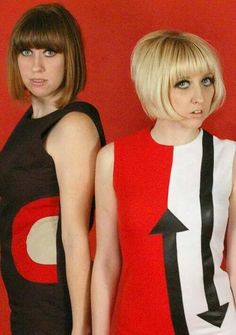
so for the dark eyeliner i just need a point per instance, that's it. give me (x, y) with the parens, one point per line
(212, 79)
(208, 81)
(179, 83)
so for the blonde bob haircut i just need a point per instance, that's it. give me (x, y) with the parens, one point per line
(162, 58)
(48, 26)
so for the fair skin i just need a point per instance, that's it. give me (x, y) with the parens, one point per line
(231, 237)
(75, 134)
(107, 262)
(191, 98)
(42, 72)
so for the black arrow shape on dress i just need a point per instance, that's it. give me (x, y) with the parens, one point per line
(169, 226)
(215, 313)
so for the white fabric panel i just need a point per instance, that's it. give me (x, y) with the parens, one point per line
(184, 202)
(41, 241)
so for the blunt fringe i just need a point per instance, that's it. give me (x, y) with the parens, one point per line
(161, 58)
(48, 26)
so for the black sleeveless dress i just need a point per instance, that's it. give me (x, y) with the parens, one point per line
(32, 256)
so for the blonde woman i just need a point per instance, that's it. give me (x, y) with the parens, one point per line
(165, 197)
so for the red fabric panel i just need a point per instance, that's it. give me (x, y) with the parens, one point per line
(23, 222)
(141, 186)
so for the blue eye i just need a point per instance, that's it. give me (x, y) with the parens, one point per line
(49, 53)
(26, 52)
(208, 81)
(182, 84)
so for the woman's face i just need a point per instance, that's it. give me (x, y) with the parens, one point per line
(191, 97)
(42, 72)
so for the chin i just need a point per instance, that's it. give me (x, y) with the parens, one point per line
(193, 123)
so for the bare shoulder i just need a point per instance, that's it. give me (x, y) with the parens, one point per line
(75, 131)
(74, 127)
(106, 155)
(74, 122)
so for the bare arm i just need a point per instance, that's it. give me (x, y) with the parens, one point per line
(107, 262)
(73, 143)
(231, 236)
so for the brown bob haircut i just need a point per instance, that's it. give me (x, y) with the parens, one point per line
(48, 26)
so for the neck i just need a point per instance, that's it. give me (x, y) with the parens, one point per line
(170, 132)
(41, 107)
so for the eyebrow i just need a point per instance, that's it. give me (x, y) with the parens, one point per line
(188, 77)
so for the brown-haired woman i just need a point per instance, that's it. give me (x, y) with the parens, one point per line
(47, 178)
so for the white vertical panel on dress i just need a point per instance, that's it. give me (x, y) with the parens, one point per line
(184, 203)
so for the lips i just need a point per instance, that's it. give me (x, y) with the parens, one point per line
(197, 112)
(38, 81)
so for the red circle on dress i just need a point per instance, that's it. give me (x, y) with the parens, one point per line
(27, 216)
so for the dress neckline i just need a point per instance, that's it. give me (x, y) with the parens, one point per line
(29, 113)
(196, 139)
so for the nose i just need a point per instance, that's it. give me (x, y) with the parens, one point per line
(37, 64)
(197, 97)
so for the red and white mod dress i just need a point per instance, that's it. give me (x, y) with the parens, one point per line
(173, 204)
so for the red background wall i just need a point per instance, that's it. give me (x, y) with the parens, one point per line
(111, 29)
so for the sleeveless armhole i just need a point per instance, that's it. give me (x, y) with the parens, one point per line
(77, 106)
(81, 107)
